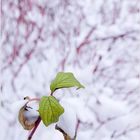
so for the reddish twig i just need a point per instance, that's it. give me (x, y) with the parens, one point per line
(86, 40)
(34, 129)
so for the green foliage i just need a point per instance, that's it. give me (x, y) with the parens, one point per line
(65, 80)
(50, 110)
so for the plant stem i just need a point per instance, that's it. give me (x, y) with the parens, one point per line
(51, 94)
(34, 99)
(76, 130)
(65, 135)
(34, 129)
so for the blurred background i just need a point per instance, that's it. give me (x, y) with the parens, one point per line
(96, 40)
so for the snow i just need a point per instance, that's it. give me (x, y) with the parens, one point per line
(132, 83)
(32, 111)
(17, 105)
(105, 61)
(68, 119)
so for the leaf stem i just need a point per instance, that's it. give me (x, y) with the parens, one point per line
(34, 129)
(34, 99)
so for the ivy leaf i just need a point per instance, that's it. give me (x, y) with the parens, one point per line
(50, 110)
(65, 80)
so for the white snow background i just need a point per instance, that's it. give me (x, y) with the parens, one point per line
(96, 40)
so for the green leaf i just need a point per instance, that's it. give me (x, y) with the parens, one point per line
(50, 110)
(64, 80)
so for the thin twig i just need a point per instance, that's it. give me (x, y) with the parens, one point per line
(34, 129)
(76, 130)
